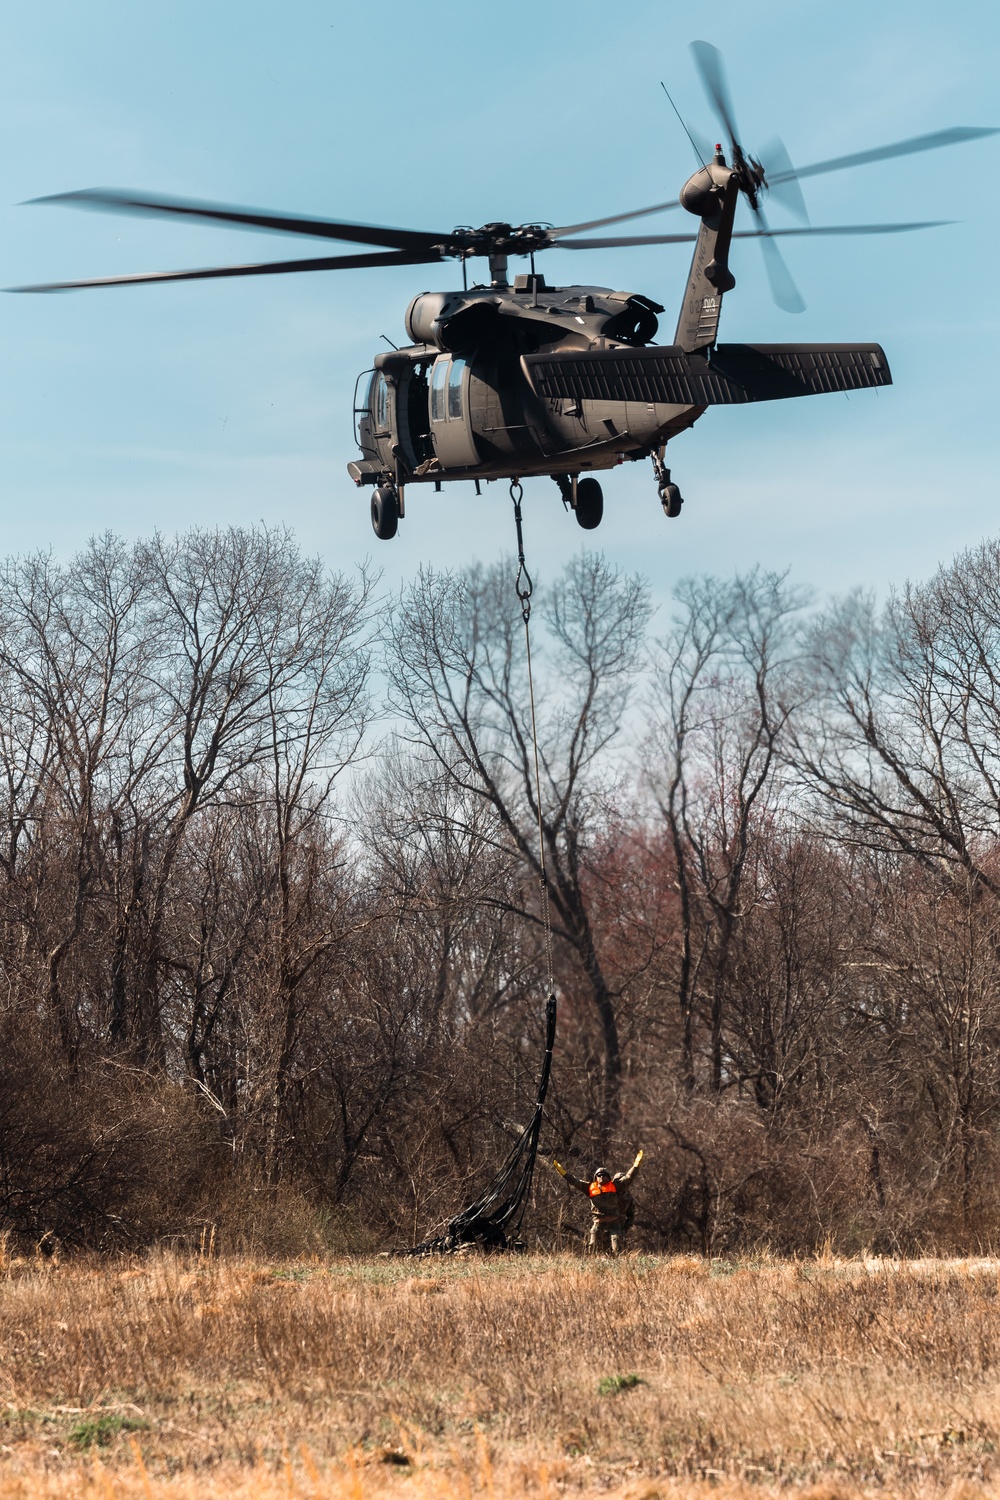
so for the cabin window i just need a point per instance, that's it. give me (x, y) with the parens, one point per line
(382, 405)
(455, 387)
(438, 380)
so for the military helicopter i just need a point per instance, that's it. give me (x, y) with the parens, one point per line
(504, 381)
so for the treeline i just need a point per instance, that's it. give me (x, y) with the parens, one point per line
(273, 924)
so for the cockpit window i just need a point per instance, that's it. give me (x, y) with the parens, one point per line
(437, 390)
(455, 387)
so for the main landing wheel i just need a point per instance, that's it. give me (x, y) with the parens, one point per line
(385, 512)
(589, 503)
(672, 500)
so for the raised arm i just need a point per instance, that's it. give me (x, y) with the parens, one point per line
(627, 1176)
(579, 1183)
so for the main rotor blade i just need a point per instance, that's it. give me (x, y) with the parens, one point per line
(775, 234)
(748, 234)
(120, 201)
(783, 181)
(614, 242)
(708, 61)
(635, 213)
(954, 137)
(270, 268)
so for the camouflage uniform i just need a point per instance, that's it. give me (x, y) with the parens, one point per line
(611, 1213)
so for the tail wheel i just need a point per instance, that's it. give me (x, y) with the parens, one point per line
(672, 500)
(589, 504)
(385, 512)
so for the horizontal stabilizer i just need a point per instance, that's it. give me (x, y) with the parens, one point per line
(729, 375)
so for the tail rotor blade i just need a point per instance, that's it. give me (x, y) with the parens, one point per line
(708, 61)
(783, 289)
(785, 189)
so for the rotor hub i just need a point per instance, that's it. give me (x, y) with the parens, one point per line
(497, 239)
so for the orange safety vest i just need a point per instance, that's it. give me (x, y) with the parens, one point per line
(596, 1189)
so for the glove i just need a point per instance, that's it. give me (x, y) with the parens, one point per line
(637, 1161)
(560, 1169)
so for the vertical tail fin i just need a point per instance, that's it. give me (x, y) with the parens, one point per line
(710, 276)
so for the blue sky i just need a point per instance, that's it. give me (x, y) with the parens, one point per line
(165, 406)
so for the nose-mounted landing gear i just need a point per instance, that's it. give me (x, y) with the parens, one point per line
(584, 497)
(670, 496)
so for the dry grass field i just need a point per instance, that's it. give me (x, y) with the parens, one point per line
(524, 1377)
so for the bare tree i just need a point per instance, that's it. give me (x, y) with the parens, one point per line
(904, 746)
(75, 657)
(936, 1007)
(456, 668)
(796, 977)
(719, 709)
(260, 664)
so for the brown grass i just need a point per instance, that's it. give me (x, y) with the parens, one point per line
(371, 1378)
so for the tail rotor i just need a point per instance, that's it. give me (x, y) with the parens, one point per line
(751, 176)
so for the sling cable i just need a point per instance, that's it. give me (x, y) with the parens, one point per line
(490, 1221)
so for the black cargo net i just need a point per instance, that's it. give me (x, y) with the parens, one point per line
(490, 1221)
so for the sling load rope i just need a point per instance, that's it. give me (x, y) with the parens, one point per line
(524, 588)
(487, 1221)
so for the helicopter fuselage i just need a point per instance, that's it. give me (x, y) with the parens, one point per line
(502, 382)
(458, 403)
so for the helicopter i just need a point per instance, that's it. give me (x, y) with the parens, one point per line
(509, 380)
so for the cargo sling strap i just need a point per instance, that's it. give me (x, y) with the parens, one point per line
(490, 1221)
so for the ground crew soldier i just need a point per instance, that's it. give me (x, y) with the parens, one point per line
(612, 1209)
